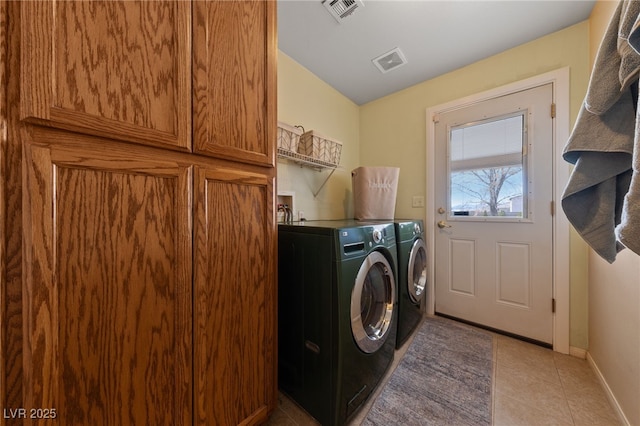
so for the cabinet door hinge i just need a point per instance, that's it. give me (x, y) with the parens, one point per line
(552, 208)
(553, 110)
(553, 306)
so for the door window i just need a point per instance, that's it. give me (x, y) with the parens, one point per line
(488, 169)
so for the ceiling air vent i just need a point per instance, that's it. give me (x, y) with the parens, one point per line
(390, 60)
(341, 9)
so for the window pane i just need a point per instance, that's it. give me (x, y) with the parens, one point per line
(487, 139)
(487, 169)
(488, 192)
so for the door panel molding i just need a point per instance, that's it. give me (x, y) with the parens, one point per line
(561, 127)
(463, 281)
(109, 287)
(104, 95)
(508, 253)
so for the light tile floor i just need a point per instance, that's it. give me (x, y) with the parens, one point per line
(533, 386)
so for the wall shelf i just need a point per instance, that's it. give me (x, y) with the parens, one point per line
(309, 162)
(305, 160)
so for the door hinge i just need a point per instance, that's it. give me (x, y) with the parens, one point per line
(436, 118)
(553, 306)
(553, 208)
(553, 110)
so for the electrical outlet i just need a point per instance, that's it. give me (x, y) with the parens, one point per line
(417, 201)
(301, 215)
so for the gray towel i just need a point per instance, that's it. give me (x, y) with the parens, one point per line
(601, 144)
(594, 195)
(628, 232)
(617, 63)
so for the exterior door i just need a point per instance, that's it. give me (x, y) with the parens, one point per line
(493, 200)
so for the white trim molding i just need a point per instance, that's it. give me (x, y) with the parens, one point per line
(578, 352)
(560, 81)
(607, 390)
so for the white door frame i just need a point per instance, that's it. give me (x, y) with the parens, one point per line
(560, 80)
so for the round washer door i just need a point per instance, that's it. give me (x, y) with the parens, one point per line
(372, 302)
(417, 273)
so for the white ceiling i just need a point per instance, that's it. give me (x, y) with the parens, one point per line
(435, 36)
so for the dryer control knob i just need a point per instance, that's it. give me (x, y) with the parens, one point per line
(377, 236)
(416, 227)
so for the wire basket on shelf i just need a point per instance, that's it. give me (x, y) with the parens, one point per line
(288, 138)
(320, 148)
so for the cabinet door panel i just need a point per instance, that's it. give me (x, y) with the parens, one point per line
(108, 295)
(120, 69)
(234, 347)
(234, 49)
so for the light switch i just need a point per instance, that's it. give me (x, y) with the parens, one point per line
(417, 201)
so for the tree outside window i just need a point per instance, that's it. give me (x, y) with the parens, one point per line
(486, 163)
(495, 191)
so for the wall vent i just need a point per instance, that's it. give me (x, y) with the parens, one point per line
(341, 9)
(390, 60)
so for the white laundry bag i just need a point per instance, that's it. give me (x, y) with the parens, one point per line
(374, 192)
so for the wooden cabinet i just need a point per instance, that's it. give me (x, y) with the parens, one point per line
(108, 285)
(232, 90)
(119, 69)
(122, 69)
(234, 309)
(139, 266)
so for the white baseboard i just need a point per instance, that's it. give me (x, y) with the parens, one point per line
(578, 352)
(607, 391)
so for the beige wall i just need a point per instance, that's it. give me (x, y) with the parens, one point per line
(400, 120)
(304, 99)
(614, 297)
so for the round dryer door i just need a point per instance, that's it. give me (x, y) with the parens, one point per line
(417, 273)
(372, 302)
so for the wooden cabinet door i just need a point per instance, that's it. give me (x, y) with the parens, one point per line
(234, 66)
(108, 290)
(117, 68)
(235, 305)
